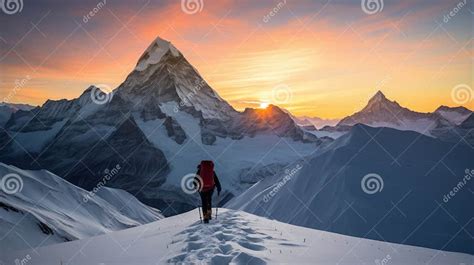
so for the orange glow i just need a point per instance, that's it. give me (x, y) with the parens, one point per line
(330, 70)
(264, 105)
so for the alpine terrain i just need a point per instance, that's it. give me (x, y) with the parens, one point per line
(157, 125)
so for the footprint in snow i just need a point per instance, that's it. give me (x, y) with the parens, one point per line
(230, 239)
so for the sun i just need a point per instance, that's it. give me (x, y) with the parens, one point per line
(264, 105)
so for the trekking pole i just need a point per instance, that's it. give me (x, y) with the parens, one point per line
(217, 204)
(200, 218)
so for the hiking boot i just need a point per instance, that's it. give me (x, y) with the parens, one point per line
(209, 214)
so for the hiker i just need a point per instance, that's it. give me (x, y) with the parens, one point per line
(206, 186)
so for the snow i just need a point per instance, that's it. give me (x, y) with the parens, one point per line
(35, 141)
(454, 116)
(423, 126)
(317, 122)
(230, 156)
(68, 211)
(319, 195)
(16, 107)
(155, 51)
(381, 112)
(235, 237)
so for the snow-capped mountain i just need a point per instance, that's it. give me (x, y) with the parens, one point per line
(6, 110)
(164, 75)
(234, 238)
(381, 112)
(407, 198)
(455, 115)
(47, 209)
(158, 125)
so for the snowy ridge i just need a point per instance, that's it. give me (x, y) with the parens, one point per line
(331, 180)
(50, 210)
(455, 115)
(235, 237)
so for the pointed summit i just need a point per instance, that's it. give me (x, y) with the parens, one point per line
(381, 103)
(379, 95)
(377, 98)
(164, 76)
(153, 54)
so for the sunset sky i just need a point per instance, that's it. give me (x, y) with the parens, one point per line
(330, 56)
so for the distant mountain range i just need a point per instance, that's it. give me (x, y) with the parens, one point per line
(382, 112)
(316, 122)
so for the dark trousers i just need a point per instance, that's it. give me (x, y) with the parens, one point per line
(206, 198)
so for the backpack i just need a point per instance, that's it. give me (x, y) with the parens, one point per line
(207, 175)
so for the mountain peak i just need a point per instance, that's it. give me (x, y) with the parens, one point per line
(380, 101)
(379, 96)
(155, 52)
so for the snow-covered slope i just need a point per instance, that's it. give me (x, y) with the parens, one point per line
(7, 109)
(414, 173)
(47, 209)
(234, 238)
